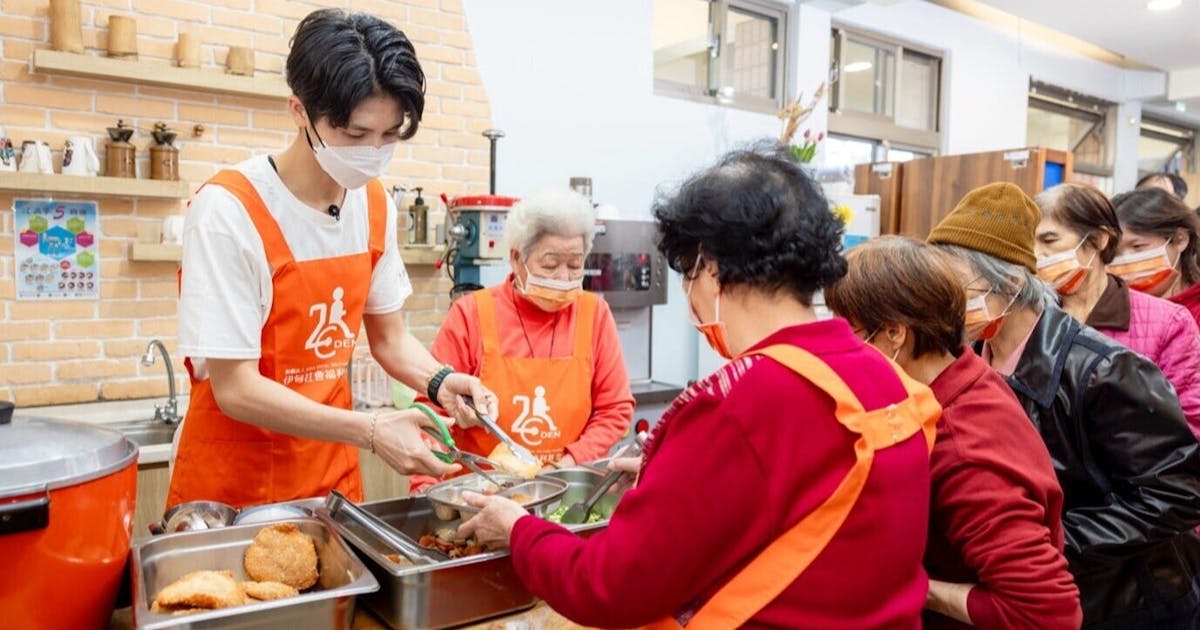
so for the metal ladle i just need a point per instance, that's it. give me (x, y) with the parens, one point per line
(578, 513)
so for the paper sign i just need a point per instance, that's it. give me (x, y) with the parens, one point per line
(57, 249)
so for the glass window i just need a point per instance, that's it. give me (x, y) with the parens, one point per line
(1060, 120)
(919, 78)
(902, 155)
(752, 50)
(1165, 147)
(846, 151)
(867, 74)
(681, 43)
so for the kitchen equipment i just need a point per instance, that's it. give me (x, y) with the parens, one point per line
(271, 513)
(66, 26)
(488, 423)
(240, 61)
(627, 269)
(194, 516)
(187, 50)
(8, 156)
(164, 155)
(448, 495)
(419, 215)
(67, 504)
(120, 154)
(582, 481)
(79, 157)
(441, 434)
(160, 561)
(345, 513)
(122, 37)
(577, 513)
(36, 157)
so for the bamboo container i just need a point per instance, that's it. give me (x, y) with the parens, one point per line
(122, 36)
(66, 30)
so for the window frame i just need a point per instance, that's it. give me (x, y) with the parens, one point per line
(883, 128)
(1101, 113)
(1183, 136)
(718, 20)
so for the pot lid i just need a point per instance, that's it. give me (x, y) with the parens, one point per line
(482, 201)
(39, 454)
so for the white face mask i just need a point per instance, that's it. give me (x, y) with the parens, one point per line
(354, 165)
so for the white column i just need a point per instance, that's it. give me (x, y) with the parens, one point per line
(1125, 146)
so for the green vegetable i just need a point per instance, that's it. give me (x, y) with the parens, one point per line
(556, 515)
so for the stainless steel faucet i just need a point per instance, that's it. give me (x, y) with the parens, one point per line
(168, 413)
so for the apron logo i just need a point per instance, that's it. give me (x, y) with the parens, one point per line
(330, 320)
(534, 425)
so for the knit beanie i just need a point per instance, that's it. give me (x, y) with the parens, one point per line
(997, 219)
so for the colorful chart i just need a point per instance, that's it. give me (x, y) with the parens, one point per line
(56, 249)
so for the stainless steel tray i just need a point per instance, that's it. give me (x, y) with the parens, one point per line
(450, 593)
(162, 560)
(447, 495)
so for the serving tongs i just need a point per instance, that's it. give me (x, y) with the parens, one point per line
(489, 423)
(441, 434)
(339, 508)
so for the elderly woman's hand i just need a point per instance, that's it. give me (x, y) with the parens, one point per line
(458, 385)
(493, 525)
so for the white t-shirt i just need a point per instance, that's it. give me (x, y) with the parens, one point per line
(226, 294)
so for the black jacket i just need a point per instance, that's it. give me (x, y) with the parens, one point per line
(1129, 467)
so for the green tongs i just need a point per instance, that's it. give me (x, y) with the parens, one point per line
(452, 454)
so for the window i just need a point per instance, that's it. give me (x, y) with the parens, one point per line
(730, 52)
(850, 151)
(1165, 147)
(1066, 121)
(885, 90)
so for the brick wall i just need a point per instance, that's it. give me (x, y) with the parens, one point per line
(62, 352)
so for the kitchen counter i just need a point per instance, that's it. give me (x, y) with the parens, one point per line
(540, 617)
(654, 392)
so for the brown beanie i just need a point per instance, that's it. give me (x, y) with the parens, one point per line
(998, 219)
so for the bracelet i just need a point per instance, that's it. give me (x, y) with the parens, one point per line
(435, 382)
(371, 438)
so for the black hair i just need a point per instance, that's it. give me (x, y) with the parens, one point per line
(1156, 212)
(1178, 184)
(340, 59)
(760, 217)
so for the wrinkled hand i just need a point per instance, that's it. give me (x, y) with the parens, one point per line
(493, 525)
(458, 385)
(399, 443)
(566, 461)
(631, 465)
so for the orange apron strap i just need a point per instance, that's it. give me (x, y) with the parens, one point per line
(277, 250)
(377, 220)
(488, 329)
(785, 559)
(585, 323)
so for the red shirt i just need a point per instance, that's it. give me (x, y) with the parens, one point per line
(1190, 299)
(996, 510)
(738, 459)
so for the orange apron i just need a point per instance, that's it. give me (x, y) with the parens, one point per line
(544, 403)
(307, 343)
(777, 566)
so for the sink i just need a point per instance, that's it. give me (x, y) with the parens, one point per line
(145, 432)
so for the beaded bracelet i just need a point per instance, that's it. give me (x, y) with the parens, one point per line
(435, 382)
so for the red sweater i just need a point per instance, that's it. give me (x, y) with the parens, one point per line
(1190, 298)
(737, 460)
(996, 512)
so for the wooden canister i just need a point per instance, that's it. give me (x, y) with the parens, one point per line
(240, 61)
(66, 30)
(122, 36)
(187, 50)
(119, 159)
(164, 162)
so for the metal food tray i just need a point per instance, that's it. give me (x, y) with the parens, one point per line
(159, 561)
(448, 494)
(450, 592)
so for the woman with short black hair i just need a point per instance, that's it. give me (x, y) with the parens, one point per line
(780, 433)
(285, 258)
(1160, 249)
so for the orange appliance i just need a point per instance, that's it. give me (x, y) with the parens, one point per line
(67, 494)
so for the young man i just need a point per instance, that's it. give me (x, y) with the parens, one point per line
(285, 258)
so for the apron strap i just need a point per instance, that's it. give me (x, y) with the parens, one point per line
(485, 304)
(785, 559)
(376, 220)
(585, 323)
(277, 250)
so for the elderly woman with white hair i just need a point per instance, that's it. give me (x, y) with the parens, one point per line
(546, 347)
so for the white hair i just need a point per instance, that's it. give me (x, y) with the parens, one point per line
(556, 211)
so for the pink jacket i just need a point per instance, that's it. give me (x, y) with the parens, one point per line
(1162, 331)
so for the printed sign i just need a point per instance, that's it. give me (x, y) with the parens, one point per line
(57, 249)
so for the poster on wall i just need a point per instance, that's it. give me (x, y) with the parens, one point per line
(56, 249)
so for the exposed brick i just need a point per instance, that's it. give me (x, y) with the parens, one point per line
(128, 106)
(468, 109)
(466, 140)
(21, 94)
(14, 117)
(223, 36)
(283, 8)
(147, 23)
(251, 138)
(163, 327)
(212, 153)
(95, 370)
(421, 34)
(38, 395)
(466, 76)
(451, 6)
(54, 350)
(408, 169)
(24, 27)
(439, 155)
(457, 39)
(24, 331)
(52, 310)
(440, 122)
(124, 348)
(271, 120)
(29, 8)
(102, 329)
(254, 21)
(24, 373)
(464, 173)
(158, 289)
(140, 388)
(84, 122)
(125, 289)
(188, 11)
(138, 308)
(209, 115)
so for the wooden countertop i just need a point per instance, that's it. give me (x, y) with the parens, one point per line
(540, 617)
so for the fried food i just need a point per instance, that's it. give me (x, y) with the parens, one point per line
(503, 457)
(199, 590)
(267, 591)
(521, 498)
(282, 553)
(399, 559)
(448, 542)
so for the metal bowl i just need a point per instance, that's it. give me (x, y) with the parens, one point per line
(447, 495)
(270, 513)
(195, 516)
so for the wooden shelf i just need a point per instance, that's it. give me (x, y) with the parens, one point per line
(79, 185)
(416, 255)
(156, 252)
(270, 86)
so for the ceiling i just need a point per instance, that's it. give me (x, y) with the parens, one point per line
(1165, 40)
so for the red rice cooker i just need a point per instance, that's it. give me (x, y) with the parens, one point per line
(67, 493)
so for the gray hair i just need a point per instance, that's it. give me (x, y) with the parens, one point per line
(1007, 279)
(556, 211)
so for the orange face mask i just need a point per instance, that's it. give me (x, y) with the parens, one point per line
(979, 324)
(715, 332)
(1148, 271)
(1063, 270)
(549, 294)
